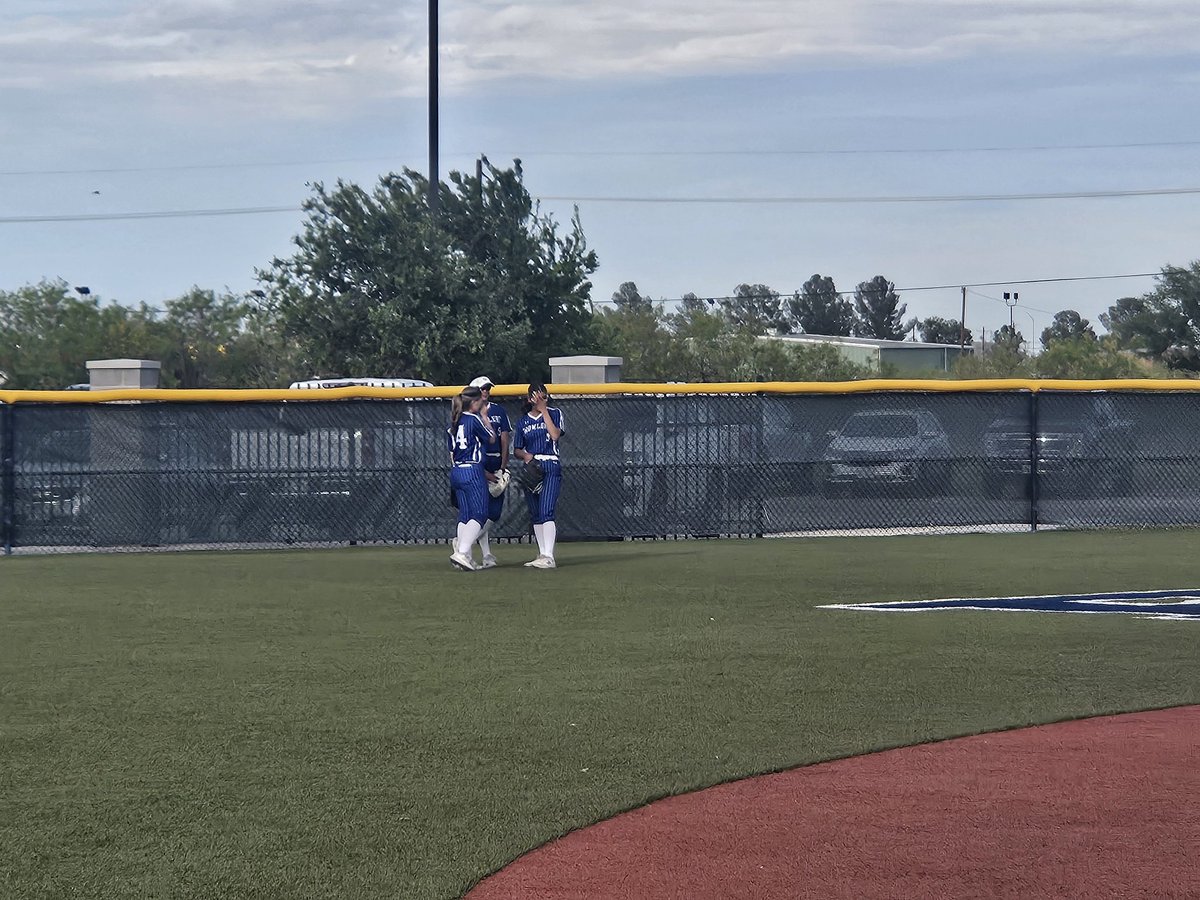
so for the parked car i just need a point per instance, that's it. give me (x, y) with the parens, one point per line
(678, 457)
(1077, 451)
(887, 447)
(51, 470)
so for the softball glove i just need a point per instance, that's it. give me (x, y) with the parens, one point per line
(500, 485)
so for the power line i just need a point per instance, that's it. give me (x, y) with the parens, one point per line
(940, 198)
(813, 151)
(1005, 302)
(163, 214)
(934, 287)
(844, 151)
(932, 198)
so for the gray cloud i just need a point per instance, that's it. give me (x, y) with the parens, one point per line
(304, 55)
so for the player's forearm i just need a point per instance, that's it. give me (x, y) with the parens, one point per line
(503, 449)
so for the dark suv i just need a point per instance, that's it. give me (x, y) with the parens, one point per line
(1078, 451)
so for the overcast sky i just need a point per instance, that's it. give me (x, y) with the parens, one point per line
(182, 105)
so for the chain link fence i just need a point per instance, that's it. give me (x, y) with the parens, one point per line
(276, 474)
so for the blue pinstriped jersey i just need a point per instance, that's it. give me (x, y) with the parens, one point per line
(466, 442)
(531, 435)
(499, 418)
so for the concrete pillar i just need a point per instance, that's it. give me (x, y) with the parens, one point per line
(126, 494)
(113, 374)
(585, 369)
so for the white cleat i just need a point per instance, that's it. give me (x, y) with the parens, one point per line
(544, 562)
(462, 561)
(489, 562)
(535, 563)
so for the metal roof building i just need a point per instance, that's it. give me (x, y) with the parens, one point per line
(902, 356)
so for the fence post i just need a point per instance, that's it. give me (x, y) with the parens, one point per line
(1033, 460)
(8, 476)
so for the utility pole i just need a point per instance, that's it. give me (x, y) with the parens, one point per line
(433, 108)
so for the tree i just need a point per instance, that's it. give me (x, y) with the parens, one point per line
(755, 307)
(1163, 324)
(1147, 325)
(641, 336)
(1009, 339)
(690, 303)
(627, 297)
(818, 308)
(936, 330)
(379, 286)
(205, 347)
(878, 310)
(47, 335)
(1068, 325)
(1081, 356)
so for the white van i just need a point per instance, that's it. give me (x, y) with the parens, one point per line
(329, 383)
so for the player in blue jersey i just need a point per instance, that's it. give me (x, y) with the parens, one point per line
(467, 435)
(495, 460)
(536, 437)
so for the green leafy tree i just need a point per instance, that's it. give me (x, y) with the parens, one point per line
(1147, 325)
(823, 362)
(708, 346)
(379, 286)
(818, 308)
(627, 297)
(643, 339)
(690, 303)
(1081, 356)
(1068, 325)
(755, 307)
(47, 335)
(878, 311)
(1010, 339)
(206, 340)
(1164, 324)
(936, 330)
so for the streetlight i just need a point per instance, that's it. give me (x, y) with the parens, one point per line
(1032, 330)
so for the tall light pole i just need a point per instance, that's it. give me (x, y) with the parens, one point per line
(1032, 330)
(1010, 303)
(433, 107)
(962, 323)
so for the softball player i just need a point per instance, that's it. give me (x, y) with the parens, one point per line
(537, 436)
(467, 434)
(495, 460)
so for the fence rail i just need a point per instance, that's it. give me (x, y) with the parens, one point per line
(639, 462)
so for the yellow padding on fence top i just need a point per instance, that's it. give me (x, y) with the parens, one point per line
(875, 385)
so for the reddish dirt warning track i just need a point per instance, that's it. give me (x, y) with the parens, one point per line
(1104, 807)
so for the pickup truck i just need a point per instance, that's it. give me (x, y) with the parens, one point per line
(1081, 448)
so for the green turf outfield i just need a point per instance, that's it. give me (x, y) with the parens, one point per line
(368, 723)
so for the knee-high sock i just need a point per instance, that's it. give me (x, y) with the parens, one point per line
(469, 533)
(484, 544)
(458, 536)
(539, 532)
(549, 534)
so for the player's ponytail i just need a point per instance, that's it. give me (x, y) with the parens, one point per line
(458, 404)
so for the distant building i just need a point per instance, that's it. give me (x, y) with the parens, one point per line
(901, 356)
